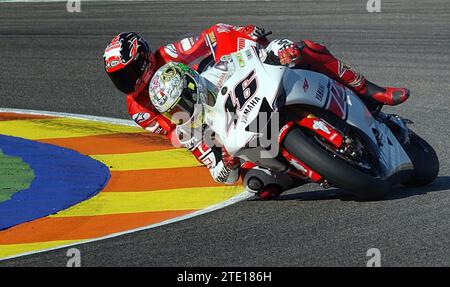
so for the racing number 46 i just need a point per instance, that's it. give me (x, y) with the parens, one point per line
(242, 92)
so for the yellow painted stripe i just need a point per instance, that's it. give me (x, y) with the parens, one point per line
(16, 249)
(60, 128)
(150, 201)
(174, 158)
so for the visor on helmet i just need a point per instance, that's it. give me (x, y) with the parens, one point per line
(125, 79)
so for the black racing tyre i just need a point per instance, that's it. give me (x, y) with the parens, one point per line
(340, 173)
(424, 159)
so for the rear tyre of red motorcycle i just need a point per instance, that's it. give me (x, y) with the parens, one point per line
(424, 159)
(341, 174)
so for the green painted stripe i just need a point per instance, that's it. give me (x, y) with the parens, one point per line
(15, 175)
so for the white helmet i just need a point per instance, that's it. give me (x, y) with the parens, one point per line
(178, 93)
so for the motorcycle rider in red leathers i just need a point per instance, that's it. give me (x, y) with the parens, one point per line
(130, 64)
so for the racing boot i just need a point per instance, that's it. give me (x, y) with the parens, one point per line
(385, 96)
(316, 57)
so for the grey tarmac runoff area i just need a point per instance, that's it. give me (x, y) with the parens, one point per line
(52, 60)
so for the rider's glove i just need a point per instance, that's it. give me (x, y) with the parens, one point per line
(255, 32)
(289, 54)
(259, 32)
(229, 161)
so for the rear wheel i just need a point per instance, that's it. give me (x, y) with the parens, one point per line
(360, 178)
(424, 159)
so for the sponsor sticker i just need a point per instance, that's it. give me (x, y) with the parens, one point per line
(225, 58)
(223, 28)
(224, 90)
(212, 37)
(320, 92)
(186, 44)
(240, 59)
(111, 64)
(319, 125)
(211, 40)
(171, 50)
(249, 55)
(242, 43)
(141, 117)
(298, 166)
(305, 85)
(220, 80)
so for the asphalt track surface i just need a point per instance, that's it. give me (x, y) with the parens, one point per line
(51, 60)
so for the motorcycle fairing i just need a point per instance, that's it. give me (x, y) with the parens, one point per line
(233, 113)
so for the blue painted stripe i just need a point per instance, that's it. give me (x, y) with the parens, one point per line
(62, 178)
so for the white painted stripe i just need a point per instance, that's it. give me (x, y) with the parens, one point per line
(242, 196)
(118, 1)
(72, 116)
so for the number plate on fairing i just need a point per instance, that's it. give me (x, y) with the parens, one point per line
(241, 97)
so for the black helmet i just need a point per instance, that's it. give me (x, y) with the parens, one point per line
(129, 62)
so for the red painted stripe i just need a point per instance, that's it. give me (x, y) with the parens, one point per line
(113, 144)
(147, 180)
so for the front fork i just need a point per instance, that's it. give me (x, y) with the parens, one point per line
(322, 129)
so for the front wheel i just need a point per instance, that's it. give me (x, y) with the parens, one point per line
(337, 171)
(424, 159)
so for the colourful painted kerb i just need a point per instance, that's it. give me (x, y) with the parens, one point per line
(151, 183)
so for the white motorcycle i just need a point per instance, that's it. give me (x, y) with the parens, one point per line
(316, 128)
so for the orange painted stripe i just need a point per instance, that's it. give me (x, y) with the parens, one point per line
(82, 227)
(14, 116)
(153, 179)
(113, 144)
